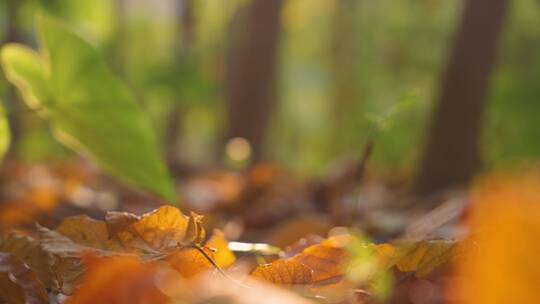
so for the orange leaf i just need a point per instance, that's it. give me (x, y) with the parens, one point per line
(152, 236)
(505, 222)
(119, 280)
(315, 264)
(190, 261)
(162, 229)
(220, 249)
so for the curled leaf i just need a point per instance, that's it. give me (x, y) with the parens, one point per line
(163, 229)
(151, 236)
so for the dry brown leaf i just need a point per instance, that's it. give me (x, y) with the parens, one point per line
(424, 257)
(88, 232)
(118, 221)
(59, 245)
(420, 258)
(119, 280)
(152, 236)
(64, 258)
(316, 264)
(30, 252)
(55, 261)
(161, 230)
(18, 284)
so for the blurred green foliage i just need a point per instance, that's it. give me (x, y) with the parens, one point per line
(90, 110)
(5, 135)
(401, 49)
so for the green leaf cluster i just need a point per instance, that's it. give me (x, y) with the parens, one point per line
(90, 110)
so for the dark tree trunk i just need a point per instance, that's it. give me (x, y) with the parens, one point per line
(250, 72)
(452, 154)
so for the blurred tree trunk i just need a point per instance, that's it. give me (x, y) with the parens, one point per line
(451, 156)
(343, 56)
(250, 72)
(186, 28)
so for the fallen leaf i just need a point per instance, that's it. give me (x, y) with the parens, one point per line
(29, 251)
(152, 236)
(18, 284)
(119, 280)
(236, 290)
(502, 266)
(424, 257)
(118, 221)
(62, 246)
(315, 264)
(88, 232)
(190, 262)
(162, 229)
(221, 254)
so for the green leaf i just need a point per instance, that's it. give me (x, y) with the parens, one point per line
(90, 109)
(5, 134)
(24, 68)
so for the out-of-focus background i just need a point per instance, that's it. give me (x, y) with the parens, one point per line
(305, 83)
(411, 124)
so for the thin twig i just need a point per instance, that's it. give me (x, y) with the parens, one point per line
(216, 266)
